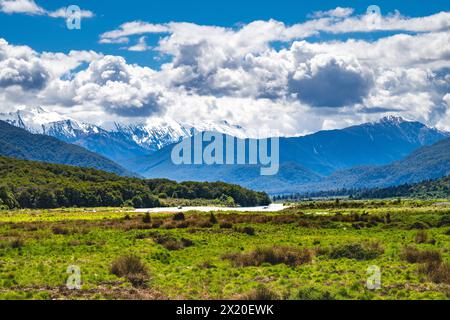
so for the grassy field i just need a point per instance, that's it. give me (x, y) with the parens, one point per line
(315, 250)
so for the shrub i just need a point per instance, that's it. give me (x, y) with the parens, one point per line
(59, 230)
(261, 293)
(171, 243)
(187, 242)
(312, 293)
(212, 218)
(146, 218)
(436, 271)
(444, 221)
(131, 268)
(156, 224)
(447, 232)
(421, 237)
(356, 251)
(414, 255)
(387, 218)
(226, 225)
(16, 244)
(419, 225)
(247, 230)
(178, 217)
(205, 224)
(271, 255)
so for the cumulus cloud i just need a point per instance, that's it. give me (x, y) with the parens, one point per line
(327, 81)
(141, 45)
(214, 73)
(120, 88)
(21, 6)
(30, 7)
(335, 21)
(30, 75)
(20, 66)
(336, 12)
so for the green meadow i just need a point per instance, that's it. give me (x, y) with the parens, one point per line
(313, 250)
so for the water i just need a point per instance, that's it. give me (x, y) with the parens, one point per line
(271, 208)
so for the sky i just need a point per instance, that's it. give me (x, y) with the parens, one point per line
(272, 67)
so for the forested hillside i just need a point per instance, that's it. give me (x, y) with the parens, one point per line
(439, 188)
(19, 143)
(30, 184)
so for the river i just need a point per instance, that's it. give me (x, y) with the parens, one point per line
(270, 208)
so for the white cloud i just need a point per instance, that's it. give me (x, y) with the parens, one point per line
(141, 45)
(215, 73)
(30, 7)
(21, 6)
(336, 21)
(133, 28)
(337, 12)
(62, 13)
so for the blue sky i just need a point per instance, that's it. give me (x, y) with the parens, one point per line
(44, 34)
(270, 67)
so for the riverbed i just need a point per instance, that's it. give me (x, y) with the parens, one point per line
(270, 208)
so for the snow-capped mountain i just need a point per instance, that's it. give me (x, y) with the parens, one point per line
(155, 135)
(123, 141)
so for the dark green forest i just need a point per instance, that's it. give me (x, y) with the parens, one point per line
(428, 189)
(31, 184)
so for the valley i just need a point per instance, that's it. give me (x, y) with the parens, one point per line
(315, 250)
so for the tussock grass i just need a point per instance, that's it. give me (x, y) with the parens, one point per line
(414, 255)
(436, 271)
(261, 293)
(272, 255)
(356, 251)
(131, 268)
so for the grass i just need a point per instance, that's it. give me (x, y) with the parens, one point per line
(312, 251)
(271, 255)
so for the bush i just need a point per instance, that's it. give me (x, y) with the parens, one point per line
(419, 225)
(311, 293)
(414, 255)
(131, 268)
(272, 255)
(171, 243)
(444, 221)
(212, 218)
(261, 293)
(356, 251)
(247, 230)
(226, 225)
(16, 244)
(205, 224)
(59, 230)
(178, 217)
(436, 271)
(421, 237)
(146, 218)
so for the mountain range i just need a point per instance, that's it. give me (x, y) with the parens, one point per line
(19, 143)
(326, 160)
(376, 154)
(118, 143)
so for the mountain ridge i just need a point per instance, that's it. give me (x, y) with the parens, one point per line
(19, 143)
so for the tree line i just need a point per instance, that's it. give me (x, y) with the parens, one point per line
(29, 184)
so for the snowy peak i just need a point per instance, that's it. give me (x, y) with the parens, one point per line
(67, 129)
(154, 135)
(34, 120)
